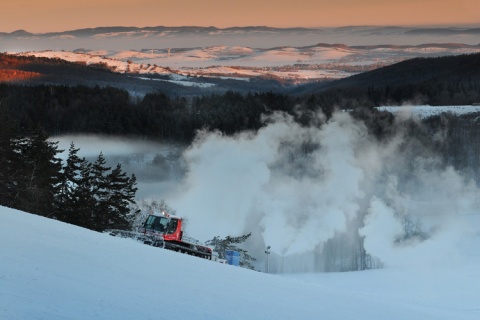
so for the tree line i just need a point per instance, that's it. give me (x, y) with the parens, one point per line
(34, 179)
(81, 109)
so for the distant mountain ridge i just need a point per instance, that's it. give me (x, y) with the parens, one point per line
(87, 32)
(161, 37)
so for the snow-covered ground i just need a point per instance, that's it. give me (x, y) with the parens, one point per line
(298, 64)
(426, 111)
(243, 63)
(51, 270)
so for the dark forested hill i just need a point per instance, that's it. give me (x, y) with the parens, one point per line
(419, 70)
(436, 81)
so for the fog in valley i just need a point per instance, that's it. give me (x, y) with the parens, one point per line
(318, 195)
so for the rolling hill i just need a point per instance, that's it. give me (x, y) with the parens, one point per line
(451, 80)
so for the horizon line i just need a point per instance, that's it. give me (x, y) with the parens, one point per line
(419, 26)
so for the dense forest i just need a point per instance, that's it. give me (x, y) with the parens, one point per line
(451, 80)
(80, 109)
(63, 109)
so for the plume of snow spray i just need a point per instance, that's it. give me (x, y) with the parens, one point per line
(298, 199)
(299, 186)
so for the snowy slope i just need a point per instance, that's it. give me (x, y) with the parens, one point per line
(51, 270)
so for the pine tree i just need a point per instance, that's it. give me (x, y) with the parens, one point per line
(113, 192)
(41, 175)
(92, 197)
(229, 243)
(71, 170)
(120, 194)
(75, 199)
(84, 204)
(99, 188)
(9, 163)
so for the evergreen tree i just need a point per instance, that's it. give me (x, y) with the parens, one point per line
(72, 169)
(99, 188)
(75, 199)
(92, 197)
(230, 243)
(120, 194)
(84, 204)
(9, 162)
(112, 193)
(41, 177)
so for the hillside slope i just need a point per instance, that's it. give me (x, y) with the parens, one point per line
(440, 81)
(410, 72)
(31, 70)
(51, 270)
(419, 70)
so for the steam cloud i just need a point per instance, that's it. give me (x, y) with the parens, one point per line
(297, 199)
(299, 186)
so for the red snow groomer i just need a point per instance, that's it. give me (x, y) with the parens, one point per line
(163, 230)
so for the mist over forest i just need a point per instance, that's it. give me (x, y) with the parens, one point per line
(358, 190)
(324, 178)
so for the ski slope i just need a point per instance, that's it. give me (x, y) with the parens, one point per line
(52, 270)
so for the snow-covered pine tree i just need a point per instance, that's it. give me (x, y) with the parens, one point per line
(230, 243)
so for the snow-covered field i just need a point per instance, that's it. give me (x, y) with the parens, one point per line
(300, 64)
(51, 270)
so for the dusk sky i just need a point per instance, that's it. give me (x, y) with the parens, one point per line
(63, 15)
